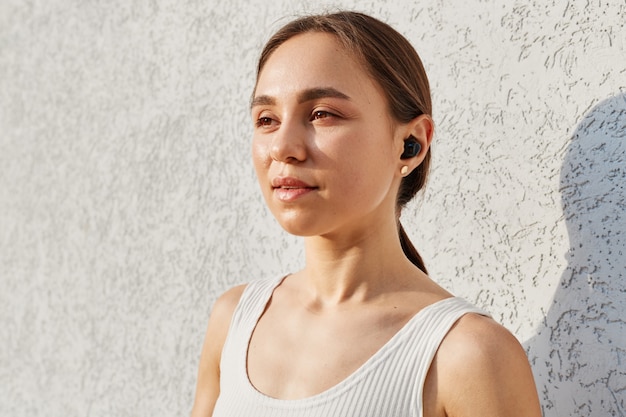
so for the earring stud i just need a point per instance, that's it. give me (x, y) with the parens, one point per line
(404, 169)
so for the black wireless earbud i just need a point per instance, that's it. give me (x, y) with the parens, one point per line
(411, 148)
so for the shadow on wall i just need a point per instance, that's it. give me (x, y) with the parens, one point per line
(579, 353)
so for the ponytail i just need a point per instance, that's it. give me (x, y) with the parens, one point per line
(410, 251)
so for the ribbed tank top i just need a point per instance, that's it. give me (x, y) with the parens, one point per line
(388, 384)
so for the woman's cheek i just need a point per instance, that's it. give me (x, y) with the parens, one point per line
(260, 155)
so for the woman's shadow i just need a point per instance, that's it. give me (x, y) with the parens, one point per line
(579, 353)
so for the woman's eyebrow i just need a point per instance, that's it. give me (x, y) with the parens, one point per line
(321, 92)
(304, 96)
(262, 101)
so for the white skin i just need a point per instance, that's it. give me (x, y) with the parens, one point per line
(327, 155)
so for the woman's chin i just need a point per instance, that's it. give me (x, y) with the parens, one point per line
(297, 224)
(297, 230)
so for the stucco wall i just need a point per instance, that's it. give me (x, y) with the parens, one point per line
(128, 202)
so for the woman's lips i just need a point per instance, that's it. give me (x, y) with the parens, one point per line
(290, 189)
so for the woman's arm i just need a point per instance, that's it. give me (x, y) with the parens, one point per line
(481, 370)
(208, 385)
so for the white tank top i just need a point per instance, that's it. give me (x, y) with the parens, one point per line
(388, 384)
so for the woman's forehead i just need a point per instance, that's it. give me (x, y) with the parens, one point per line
(312, 61)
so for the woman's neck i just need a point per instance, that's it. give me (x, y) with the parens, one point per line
(356, 267)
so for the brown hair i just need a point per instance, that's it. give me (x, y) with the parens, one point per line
(393, 62)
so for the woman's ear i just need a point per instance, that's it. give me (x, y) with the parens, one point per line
(421, 129)
(418, 135)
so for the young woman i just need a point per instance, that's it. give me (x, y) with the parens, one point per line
(342, 133)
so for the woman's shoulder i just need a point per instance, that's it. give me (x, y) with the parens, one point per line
(225, 305)
(477, 337)
(481, 354)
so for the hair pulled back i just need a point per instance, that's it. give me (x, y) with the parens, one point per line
(392, 62)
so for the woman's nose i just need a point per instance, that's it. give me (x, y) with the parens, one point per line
(289, 143)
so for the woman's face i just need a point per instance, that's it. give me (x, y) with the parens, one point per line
(325, 148)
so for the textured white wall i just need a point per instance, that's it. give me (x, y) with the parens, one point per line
(128, 203)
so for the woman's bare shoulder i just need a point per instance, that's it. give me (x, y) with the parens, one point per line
(207, 386)
(226, 303)
(482, 370)
(219, 320)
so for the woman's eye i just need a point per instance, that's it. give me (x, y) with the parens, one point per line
(264, 121)
(320, 114)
